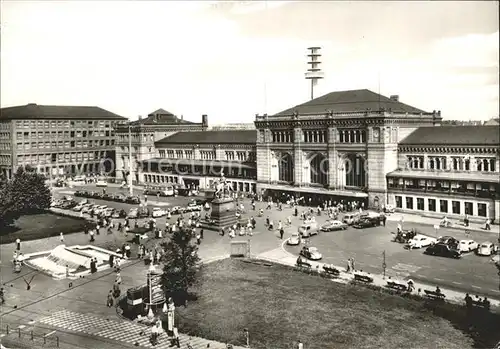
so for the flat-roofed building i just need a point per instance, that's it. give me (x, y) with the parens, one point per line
(448, 171)
(144, 133)
(197, 159)
(336, 147)
(58, 140)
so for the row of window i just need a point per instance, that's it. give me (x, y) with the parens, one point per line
(320, 136)
(4, 135)
(444, 186)
(137, 137)
(5, 159)
(64, 123)
(64, 134)
(5, 145)
(65, 144)
(456, 206)
(282, 136)
(441, 163)
(352, 136)
(59, 157)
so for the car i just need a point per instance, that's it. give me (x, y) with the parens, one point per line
(308, 229)
(98, 209)
(133, 213)
(389, 209)
(132, 200)
(101, 183)
(442, 250)
(119, 214)
(350, 218)
(366, 222)
(158, 212)
(176, 210)
(294, 240)
(78, 207)
(87, 208)
(450, 241)
(419, 241)
(68, 204)
(333, 225)
(311, 253)
(108, 212)
(467, 245)
(486, 249)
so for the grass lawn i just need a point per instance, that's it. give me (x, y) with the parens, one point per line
(280, 306)
(41, 225)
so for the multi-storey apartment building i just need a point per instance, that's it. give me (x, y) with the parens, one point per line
(448, 171)
(338, 146)
(144, 133)
(58, 140)
(197, 159)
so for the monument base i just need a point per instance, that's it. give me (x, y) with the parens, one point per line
(223, 214)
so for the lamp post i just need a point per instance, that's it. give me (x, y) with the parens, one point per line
(247, 337)
(130, 187)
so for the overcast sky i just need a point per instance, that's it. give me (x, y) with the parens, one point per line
(234, 60)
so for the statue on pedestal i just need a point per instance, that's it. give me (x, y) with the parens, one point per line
(222, 188)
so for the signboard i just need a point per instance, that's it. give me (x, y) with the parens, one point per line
(156, 294)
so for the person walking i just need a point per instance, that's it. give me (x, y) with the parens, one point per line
(353, 266)
(18, 244)
(61, 237)
(109, 301)
(282, 232)
(349, 265)
(488, 224)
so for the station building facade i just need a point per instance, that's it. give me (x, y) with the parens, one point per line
(144, 133)
(448, 171)
(198, 159)
(57, 140)
(340, 146)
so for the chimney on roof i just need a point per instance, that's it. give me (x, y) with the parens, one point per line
(182, 117)
(395, 98)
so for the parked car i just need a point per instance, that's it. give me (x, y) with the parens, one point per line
(101, 183)
(119, 214)
(420, 241)
(366, 222)
(133, 213)
(350, 218)
(294, 240)
(467, 245)
(176, 210)
(333, 225)
(450, 241)
(308, 229)
(158, 212)
(132, 200)
(486, 249)
(68, 204)
(389, 209)
(311, 253)
(442, 250)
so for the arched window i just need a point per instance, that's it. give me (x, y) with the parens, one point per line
(285, 168)
(319, 169)
(355, 174)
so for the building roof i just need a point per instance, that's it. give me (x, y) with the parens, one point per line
(161, 119)
(454, 135)
(211, 137)
(492, 122)
(35, 111)
(351, 101)
(161, 112)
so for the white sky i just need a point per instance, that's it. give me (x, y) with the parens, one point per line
(233, 60)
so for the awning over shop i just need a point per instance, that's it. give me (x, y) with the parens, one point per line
(315, 190)
(208, 163)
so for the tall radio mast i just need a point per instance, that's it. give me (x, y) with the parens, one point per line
(314, 72)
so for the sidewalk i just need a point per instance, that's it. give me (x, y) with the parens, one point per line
(407, 217)
(280, 256)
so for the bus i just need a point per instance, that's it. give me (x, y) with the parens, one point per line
(167, 190)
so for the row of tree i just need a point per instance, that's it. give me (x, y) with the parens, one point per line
(25, 193)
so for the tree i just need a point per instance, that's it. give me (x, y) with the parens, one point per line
(25, 193)
(181, 265)
(29, 192)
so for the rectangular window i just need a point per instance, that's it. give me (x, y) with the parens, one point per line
(443, 206)
(469, 208)
(420, 204)
(432, 205)
(481, 210)
(455, 207)
(409, 202)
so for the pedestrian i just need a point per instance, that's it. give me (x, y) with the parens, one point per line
(353, 266)
(488, 224)
(18, 244)
(411, 287)
(466, 220)
(384, 219)
(61, 237)
(109, 302)
(176, 337)
(282, 232)
(348, 269)
(2, 296)
(198, 239)
(111, 260)
(67, 271)
(300, 345)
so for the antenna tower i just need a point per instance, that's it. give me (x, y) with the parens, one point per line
(314, 72)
